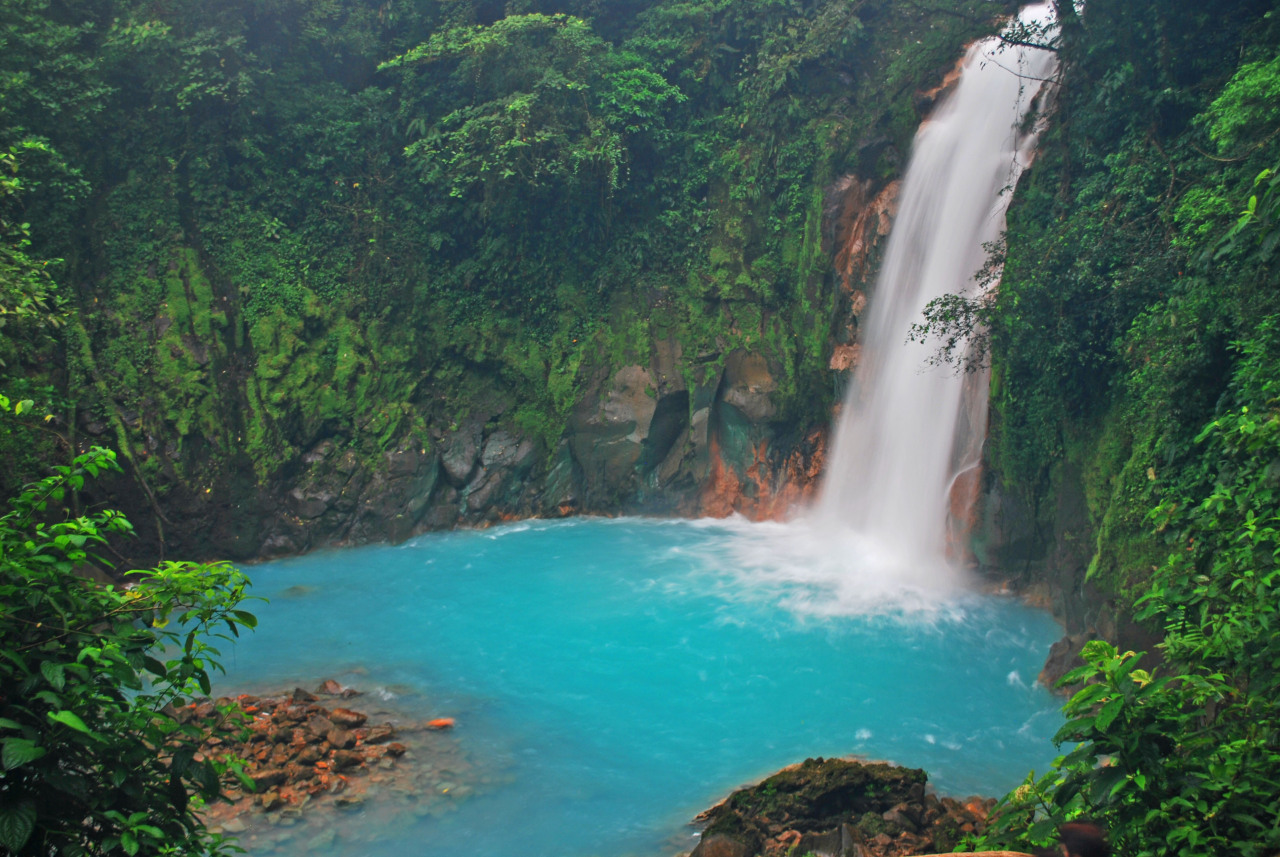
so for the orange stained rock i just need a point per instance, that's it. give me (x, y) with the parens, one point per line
(771, 490)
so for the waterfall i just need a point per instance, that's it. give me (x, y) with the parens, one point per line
(876, 539)
(906, 428)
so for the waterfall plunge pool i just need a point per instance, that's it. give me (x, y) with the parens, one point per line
(612, 678)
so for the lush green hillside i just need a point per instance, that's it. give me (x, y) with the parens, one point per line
(283, 224)
(346, 269)
(1135, 351)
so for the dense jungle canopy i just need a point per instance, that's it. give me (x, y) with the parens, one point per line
(234, 231)
(369, 211)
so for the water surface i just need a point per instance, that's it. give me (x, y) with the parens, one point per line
(612, 678)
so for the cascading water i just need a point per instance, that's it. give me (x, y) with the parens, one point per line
(877, 538)
(905, 431)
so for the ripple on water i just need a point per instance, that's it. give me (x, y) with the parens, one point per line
(621, 675)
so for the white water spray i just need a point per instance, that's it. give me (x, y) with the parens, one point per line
(905, 432)
(877, 536)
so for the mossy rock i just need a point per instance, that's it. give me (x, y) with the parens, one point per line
(816, 795)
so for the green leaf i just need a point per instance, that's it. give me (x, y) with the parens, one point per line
(16, 825)
(53, 674)
(6, 723)
(69, 718)
(1096, 650)
(19, 751)
(246, 618)
(1108, 714)
(1107, 781)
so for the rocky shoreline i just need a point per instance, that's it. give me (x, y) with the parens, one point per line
(310, 758)
(839, 808)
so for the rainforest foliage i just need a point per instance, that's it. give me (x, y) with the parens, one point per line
(1134, 344)
(95, 760)
(274, 222)
(231, 230)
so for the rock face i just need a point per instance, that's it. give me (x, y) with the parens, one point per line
(838, 808)
(1047, 562)
(671, 428)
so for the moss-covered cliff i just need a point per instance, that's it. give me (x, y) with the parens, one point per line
(350, 270)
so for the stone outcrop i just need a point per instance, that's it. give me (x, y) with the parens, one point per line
(1044, 556)
(839, 808)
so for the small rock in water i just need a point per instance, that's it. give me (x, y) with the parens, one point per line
(379, 734)
(346, 718)
(343, 759)
(441, 723)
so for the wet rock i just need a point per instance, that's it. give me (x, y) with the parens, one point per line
(346, 718)
(459, 458)
(341, 739)
(301, 696)
(309, 505)
(379, 734)
(609, 428)
(749, 386)
(900, 819)
(267, 777)
(344, 759)
(309, 755)
(503, 449)
(829, 844)
(721, 846)
(318, 727)
(843, 809)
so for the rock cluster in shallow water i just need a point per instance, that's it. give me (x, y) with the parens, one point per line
(841, 808)
(302, 754)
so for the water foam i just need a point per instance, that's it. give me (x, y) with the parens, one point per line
(876, 541)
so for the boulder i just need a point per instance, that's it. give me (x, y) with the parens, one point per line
(720, 845)
(379, 734)
(267, 778)
(318, 727)
(749, 386)
(346, 718)
(341, 739)
(459, 457)
(344, 759)
(311, 504)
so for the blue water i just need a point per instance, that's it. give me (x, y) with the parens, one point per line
(613, 678)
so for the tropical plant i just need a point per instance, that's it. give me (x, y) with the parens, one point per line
(94, 760)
